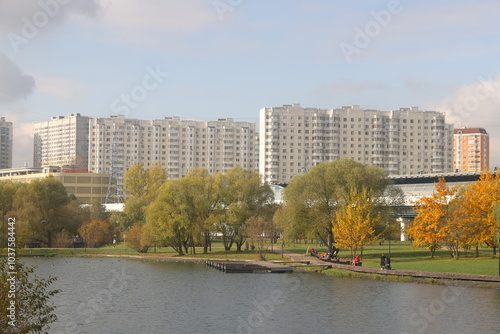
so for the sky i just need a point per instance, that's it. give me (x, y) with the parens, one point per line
(211, 59)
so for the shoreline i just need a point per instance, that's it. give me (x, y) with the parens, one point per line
(337, 270)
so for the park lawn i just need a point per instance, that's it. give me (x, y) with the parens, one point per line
(217, 252)
(406, 257)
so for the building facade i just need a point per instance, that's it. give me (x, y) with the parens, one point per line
(471, 150)
(86, 186)
(117, 143)
(6, 139)
(403, 142)
(62, 141)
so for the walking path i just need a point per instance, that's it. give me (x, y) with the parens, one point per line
(412, 273)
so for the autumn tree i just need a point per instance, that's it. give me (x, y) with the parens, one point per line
(139, 238)
(478, 204)
(355, 221)
(431, 225)
(142, 187)
(311, 200)
(96, 232)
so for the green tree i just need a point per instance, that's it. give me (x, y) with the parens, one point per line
(244, 197)
(134, 182)
(311, 200)
(156, 176)
(97, 210)
(166, 220)
(201, 203)
(142, 187)
(7, 192)
(41, 208)
(34, 309)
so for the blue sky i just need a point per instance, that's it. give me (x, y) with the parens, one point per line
(229, 58)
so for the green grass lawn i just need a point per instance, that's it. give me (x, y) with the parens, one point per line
(217, 252)
(406, 257)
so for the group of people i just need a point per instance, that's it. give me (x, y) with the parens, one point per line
(324, 256)
(385, 262)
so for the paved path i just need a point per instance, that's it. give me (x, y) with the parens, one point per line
(412, 273)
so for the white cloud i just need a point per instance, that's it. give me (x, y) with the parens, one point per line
(14, 83)
(62, 89)
(147, 22)
(14, 13)
(185, 15)
(476, 105)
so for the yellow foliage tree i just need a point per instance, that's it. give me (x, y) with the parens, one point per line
(430, 226)
(478, 204)
(96, 232)
(355, 221)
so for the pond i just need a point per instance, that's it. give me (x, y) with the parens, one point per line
(134, 296)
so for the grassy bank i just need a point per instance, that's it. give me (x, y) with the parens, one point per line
(403, 256)
(406, 257)
(217, 252)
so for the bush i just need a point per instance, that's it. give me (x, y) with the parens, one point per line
(139, 238)
(96, 232)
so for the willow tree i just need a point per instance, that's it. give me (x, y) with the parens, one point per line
(310, 201)
(187, 207)
(44, 209)
(244, 197)
(142, 186)
(165, 219)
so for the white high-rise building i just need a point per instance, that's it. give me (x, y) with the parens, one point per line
(5, 143)
(62, 141)
(117, 143)
(403, 142)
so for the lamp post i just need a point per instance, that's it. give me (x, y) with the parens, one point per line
(43, 221)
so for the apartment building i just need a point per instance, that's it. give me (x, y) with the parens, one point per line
(5, 143)
(117, 143)
(403, 142)
(471, 149)
(62, 141)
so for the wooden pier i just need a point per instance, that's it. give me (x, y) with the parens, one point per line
(248, 267)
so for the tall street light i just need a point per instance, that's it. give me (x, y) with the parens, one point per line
(43, 221)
